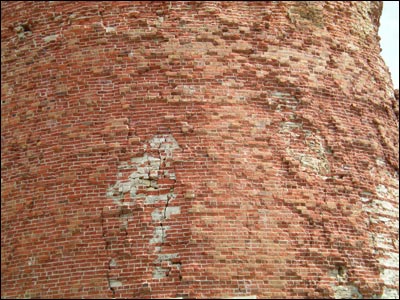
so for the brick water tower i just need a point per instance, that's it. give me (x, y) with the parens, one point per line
(197, 150)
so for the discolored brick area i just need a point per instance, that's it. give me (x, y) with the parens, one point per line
(197, 150)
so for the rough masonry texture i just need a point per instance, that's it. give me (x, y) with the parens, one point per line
(197, 150)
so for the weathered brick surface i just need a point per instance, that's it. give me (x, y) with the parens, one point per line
(197, 149)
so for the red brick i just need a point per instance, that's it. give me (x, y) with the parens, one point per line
(198, 150)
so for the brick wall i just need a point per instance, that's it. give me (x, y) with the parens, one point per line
(197, 149)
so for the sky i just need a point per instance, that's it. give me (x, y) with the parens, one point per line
(389, 33)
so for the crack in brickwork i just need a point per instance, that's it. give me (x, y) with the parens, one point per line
(148, 181)
(382, 210)
(165, 153)
(106, 245)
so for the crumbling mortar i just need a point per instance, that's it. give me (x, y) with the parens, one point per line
(178, 264)
(109, 283)
(164, 216)
(107, 252)
(386, 147)
(341, 245)
(162, 161)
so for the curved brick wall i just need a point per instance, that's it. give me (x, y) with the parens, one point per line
(197, 149)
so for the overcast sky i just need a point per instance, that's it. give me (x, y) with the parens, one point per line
(389, 33)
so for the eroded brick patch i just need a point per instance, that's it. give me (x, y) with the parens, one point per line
(144, 183)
